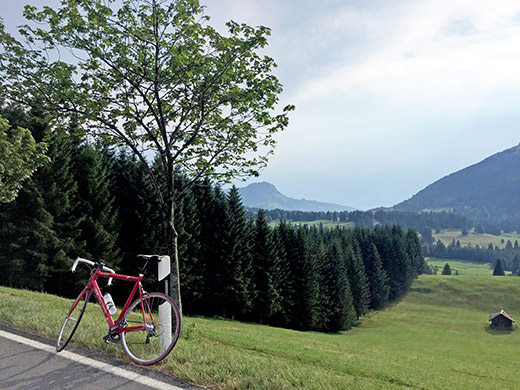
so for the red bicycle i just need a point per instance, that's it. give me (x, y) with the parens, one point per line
(147, 328)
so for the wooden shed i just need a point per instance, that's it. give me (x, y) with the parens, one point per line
(501, 320)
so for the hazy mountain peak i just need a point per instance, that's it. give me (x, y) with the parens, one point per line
(266, 196)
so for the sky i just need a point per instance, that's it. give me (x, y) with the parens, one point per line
(390, 95)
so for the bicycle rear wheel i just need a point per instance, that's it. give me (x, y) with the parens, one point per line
(72, 320)
(162, 328)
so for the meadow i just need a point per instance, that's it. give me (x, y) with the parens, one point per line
(474, 239)
(326, 223)
(436, 337)
(463, 267)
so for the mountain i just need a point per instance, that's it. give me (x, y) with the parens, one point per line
(265, 196)
(488, 190)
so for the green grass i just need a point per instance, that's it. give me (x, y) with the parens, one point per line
(327, 223)
(474, 239)
(434, 338)
(464, 267)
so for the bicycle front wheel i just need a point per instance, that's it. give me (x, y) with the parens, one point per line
(72, 320)
(162, 326)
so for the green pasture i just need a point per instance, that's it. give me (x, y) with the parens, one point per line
(327, 223)
(474, 239)
(464, 267)
(436, 337)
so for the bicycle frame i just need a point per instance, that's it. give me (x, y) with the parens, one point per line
(115, 326)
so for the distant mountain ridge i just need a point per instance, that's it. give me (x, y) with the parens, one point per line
(488, 190)
(265, 196)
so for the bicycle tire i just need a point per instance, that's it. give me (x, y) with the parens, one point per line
(72, 320)
(146, 347)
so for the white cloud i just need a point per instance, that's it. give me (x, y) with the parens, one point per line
(425, 60)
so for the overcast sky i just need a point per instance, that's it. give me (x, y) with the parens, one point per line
(390, 95)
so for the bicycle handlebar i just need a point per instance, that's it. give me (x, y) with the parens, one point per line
(79, 259)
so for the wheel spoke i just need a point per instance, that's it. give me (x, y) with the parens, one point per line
(154, 342)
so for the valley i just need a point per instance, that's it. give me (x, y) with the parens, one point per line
(436, 337)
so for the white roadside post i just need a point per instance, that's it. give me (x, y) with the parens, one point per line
(165, 312)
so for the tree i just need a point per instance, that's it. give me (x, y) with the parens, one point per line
(359, 283)
(304, 272)
(20, 156)
(498, 270)
(446, 270)
(152, 75)
(515, 265)
(377, 277)
(341, 313)
(95, 204)
(266, 298)
(239, 257)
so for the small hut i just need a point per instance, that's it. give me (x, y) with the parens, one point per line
(501, 320)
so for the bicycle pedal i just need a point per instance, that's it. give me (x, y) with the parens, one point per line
(106, 339)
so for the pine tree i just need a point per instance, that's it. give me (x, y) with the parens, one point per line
(498, 270)
(28, 236)
(60, 194)
(266, 300)
(446, 270)
(45, 231)
(378, 279)
(239, 263)
(284, 238)
(339, 304)
(214, 244)
(95, 204)
(305, 284)
(138, 223)
(358, 280)
(188, 229)
(414, 250)
(515, 265)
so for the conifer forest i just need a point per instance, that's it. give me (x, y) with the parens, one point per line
(92, 201)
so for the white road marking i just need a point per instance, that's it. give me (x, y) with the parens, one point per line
(92, 363)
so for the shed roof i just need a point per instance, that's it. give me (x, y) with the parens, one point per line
(501, 313)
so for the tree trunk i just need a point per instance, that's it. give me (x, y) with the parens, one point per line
(175, 283)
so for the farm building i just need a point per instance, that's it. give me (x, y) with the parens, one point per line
(501, 320)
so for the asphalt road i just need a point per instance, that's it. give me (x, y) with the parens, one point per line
(23, 366)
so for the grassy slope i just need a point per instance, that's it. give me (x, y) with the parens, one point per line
(325, 222)
(464, 267)
(482, 240)
(435, 338)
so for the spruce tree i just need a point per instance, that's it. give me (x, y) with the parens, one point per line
(305, 284)
(28, 236)
(415, 253)
(211, 205)
(283, 237)
(358, 280)
(266, 299)
(498, 270)
(515, 265)
(188, 228)
(138, 223)
(60, 193)
(239, 257)
(378, 279)
(95, 203)
(340, 306)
